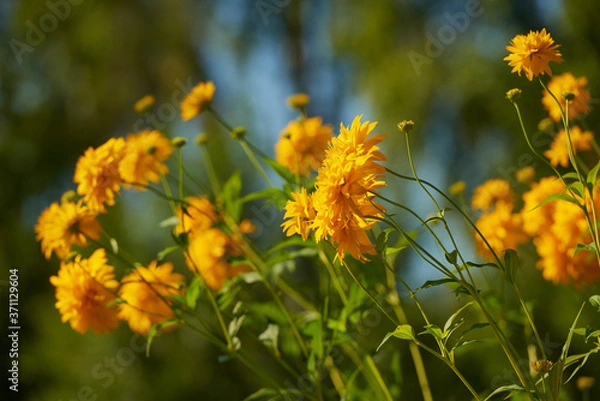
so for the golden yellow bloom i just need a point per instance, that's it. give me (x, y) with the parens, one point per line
(298, 101)
(345, 190)
(84, 289)
(559, 150)
(208, 254)
(197, 100)
(302, 145)
(492, 192)
(525, 175)
(557, 227)
(198, 215)
(61, 226)
(502, 229)
(300, 214)
(146, 293)
(567, 82)
(97, 173)
(539, 218)
(144, 104)
(145, 153)
(532, 54)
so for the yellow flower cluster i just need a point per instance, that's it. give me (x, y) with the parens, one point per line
(99, 174)
(342, 208)
(498, 224)
(145, 293)
(84, 290)
(567, 83)
(556, 227)
(302, 145)
(558, 154)
(198, 100)
(210, 247)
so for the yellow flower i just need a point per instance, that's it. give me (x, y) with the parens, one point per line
(525, 175)
(300, 213)
(538, 218)
(559, 150)
(198, 215)
(145, 153)
(61, 226)
(298, 101)
(502, 229)
(144, 104)
(302, 145)
(97, 173)
(567, 82)
(197, 100)
(532, 53)
(345, 190)
(84, 289)
(145, 293)
(208, 254)
(557, 228)
(492, 192)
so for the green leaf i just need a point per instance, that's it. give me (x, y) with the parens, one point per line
(269, 338)
(403, 332)
(577, 188)
(231, 196)
(433, 330)
(169, 222)
(570, 176)
(511, 265)
(554, 197)
(595, 301)
(154, 331)
(433, 283)
(585, 247)
(511, 388)
(193, 292)
(451, 319)
(283, 172)
(163, 254)
(451, 257)
(262, 393)
(592, 176)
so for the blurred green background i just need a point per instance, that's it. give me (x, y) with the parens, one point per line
(71, 70)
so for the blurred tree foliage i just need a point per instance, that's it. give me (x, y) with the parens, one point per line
(71, 70)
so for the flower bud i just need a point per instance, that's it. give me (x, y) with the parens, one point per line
(298, 101)
(144, 104)
(568, 96)
(525, 175)
(513, 95)
(457, 188)
(201, 139)
(179, 142)
(584, 383)
(406, 125)
(541, 366)
(238, 133)
(69, 197)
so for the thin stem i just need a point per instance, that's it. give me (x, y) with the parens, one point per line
(210, 171)
(413, 348)
(169, 194)
(180, 172)
(368, 292)
(255, 162)
(454, 369)
(333, 276)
